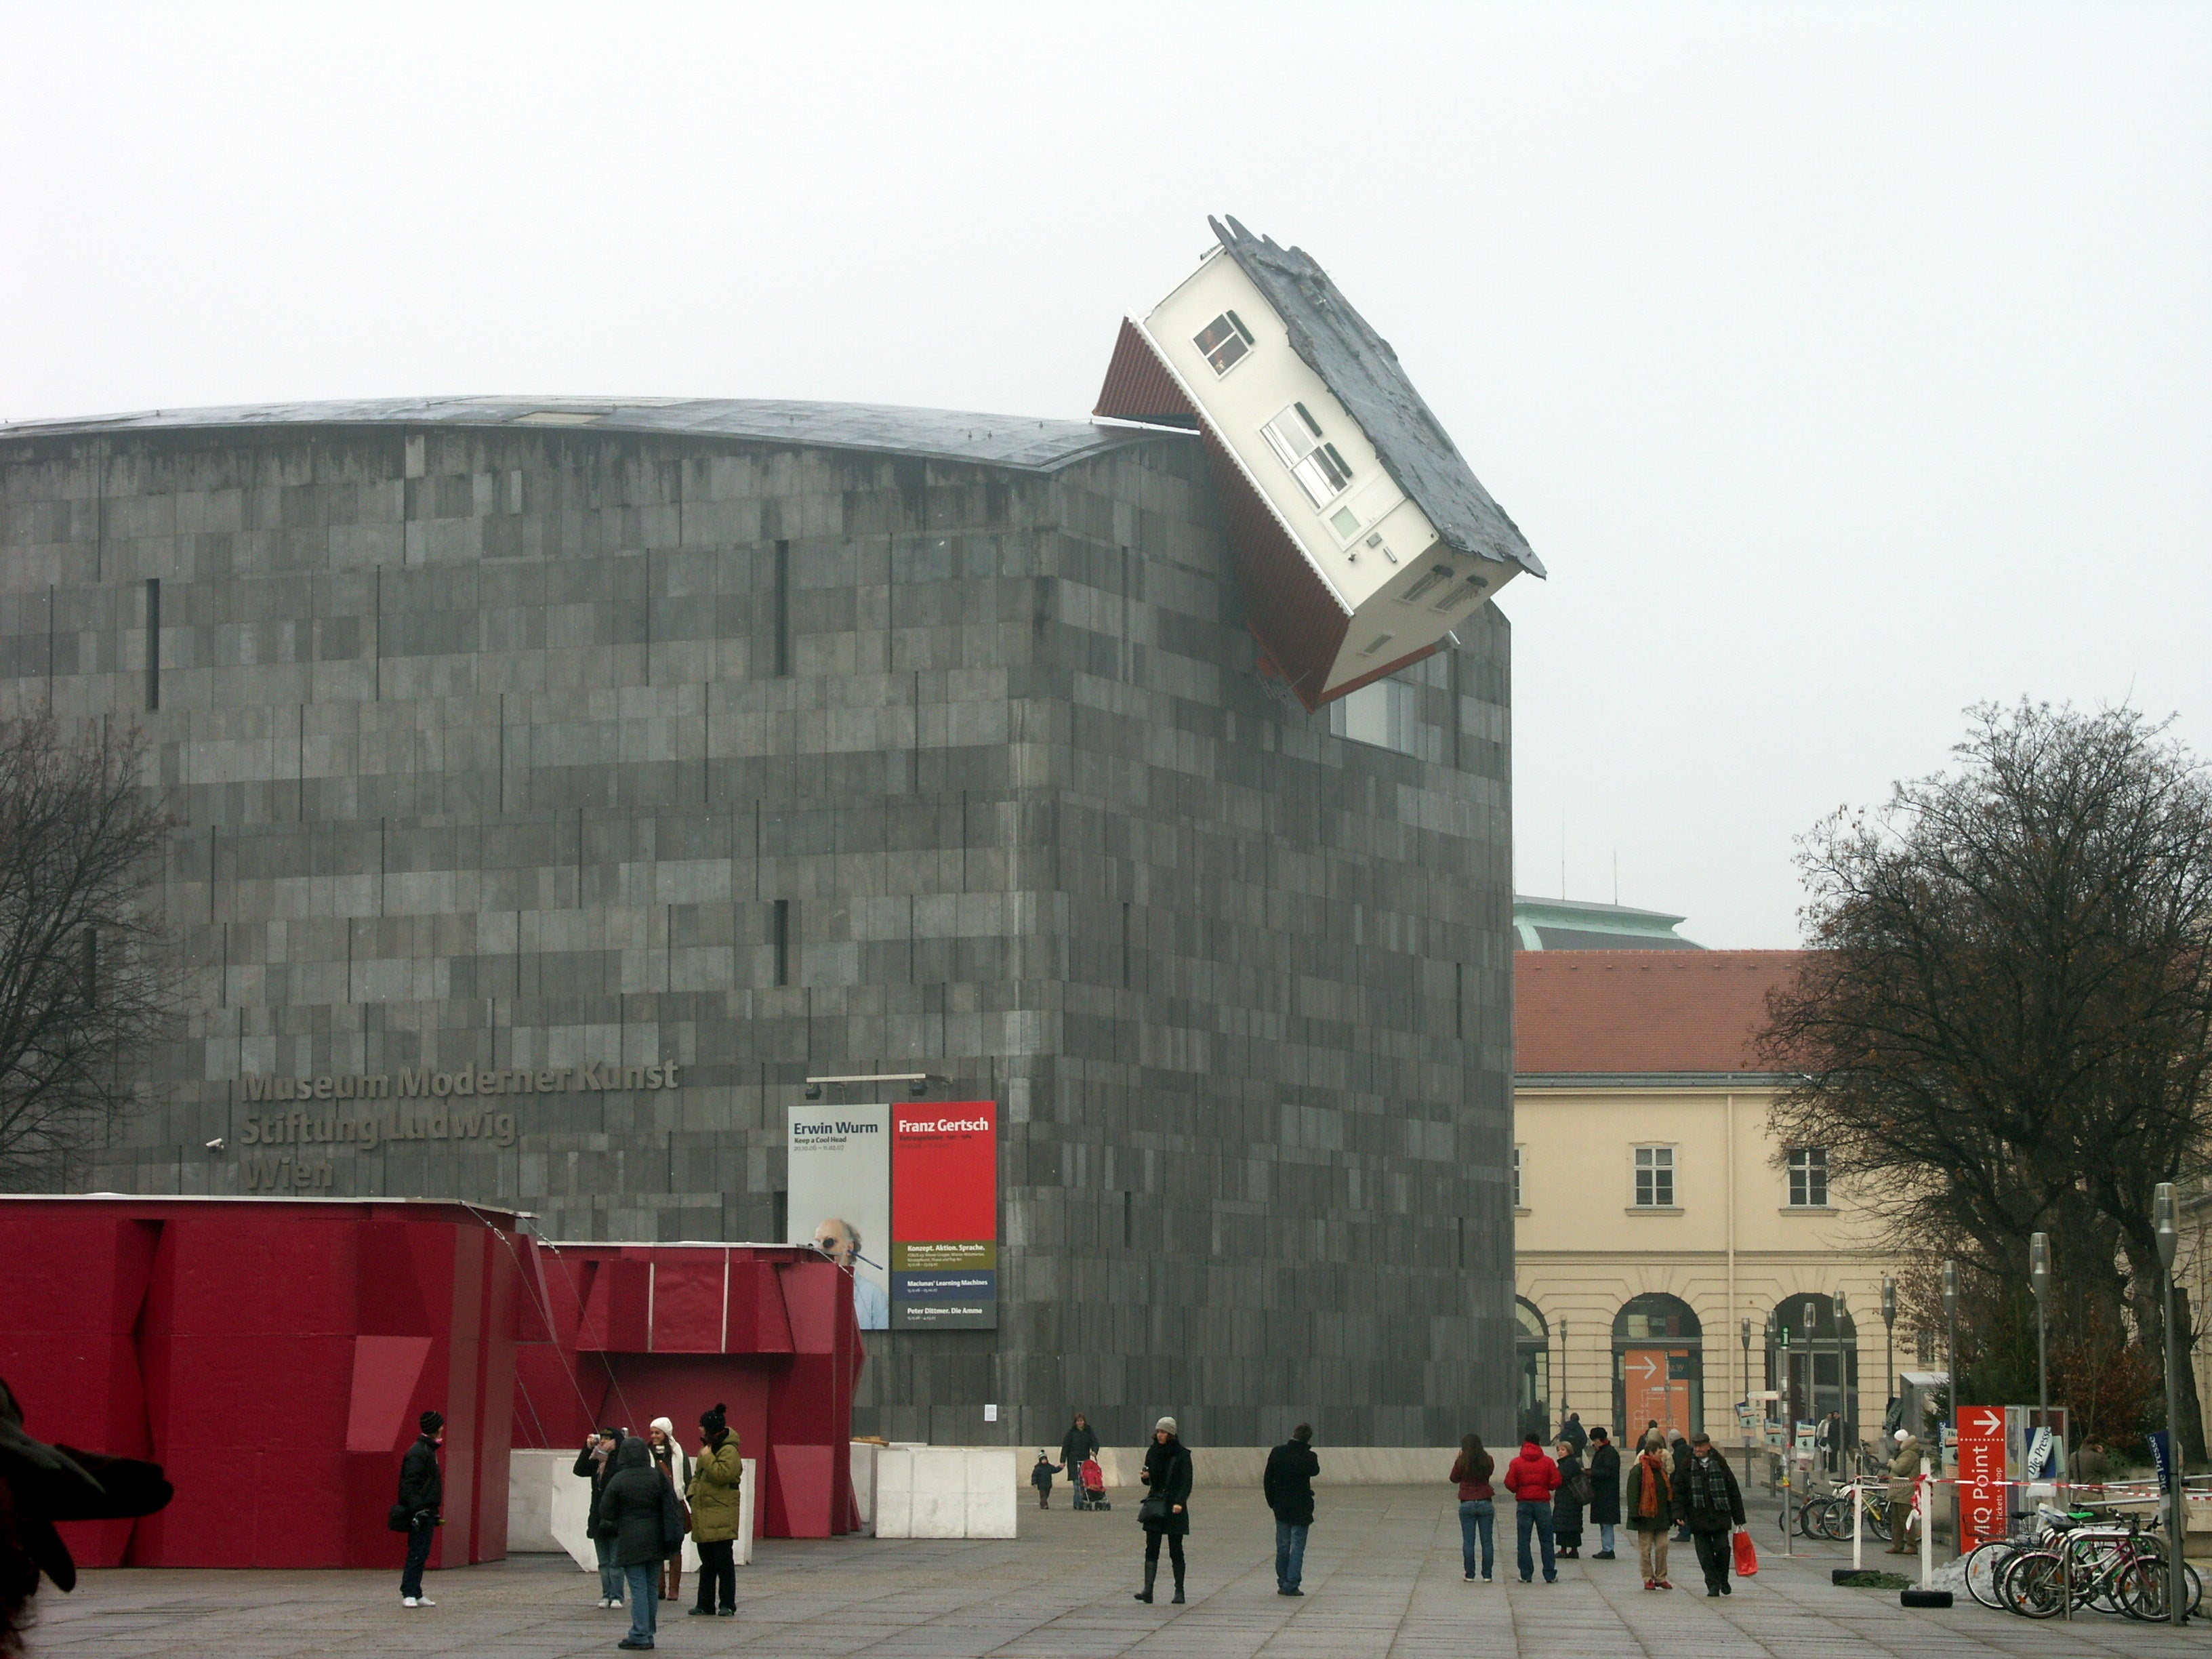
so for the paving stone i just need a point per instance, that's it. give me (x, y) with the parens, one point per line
(1382, 1578)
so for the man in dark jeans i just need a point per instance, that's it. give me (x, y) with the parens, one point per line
(1288, 1484)
(1710, 1502)
(421, 1494)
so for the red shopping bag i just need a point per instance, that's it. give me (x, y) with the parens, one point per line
(1747, 1556)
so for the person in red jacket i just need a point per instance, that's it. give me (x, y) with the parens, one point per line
(1532, 1477)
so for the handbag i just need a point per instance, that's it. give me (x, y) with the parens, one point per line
(401, 1519)
(1746, 1554)
(1579, 1487)
(1152, 1512)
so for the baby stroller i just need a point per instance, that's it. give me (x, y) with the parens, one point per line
(1090, 1486)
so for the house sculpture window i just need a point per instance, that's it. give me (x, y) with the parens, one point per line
(1224, 341)
(1655, 1177)
(1296, 438)
(1809, 1178)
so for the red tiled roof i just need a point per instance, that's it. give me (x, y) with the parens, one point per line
(1643, 1010)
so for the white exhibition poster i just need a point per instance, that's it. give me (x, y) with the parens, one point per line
(841, 1196)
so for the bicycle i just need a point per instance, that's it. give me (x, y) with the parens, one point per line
(1835, 1517)
(1986, 1561)
(2109, 1569)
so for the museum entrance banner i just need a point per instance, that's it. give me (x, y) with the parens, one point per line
(945, 1216)
(840, 1188)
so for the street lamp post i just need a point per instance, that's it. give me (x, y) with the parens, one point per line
(1845, 1416)
(2039, 1280)
(1889, 1344)
(1951, 1345)
(1744, 1413)
(2169, 1238)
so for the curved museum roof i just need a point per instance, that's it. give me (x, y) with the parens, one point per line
(928, 433)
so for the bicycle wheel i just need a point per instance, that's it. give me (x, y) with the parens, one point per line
(2033, 1584)
(2139, 1589)
(1835, 1520)
(1984, 1563)
(1877, 1519)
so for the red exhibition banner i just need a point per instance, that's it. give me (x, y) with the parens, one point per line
(1982, 1509)
(944, 1215)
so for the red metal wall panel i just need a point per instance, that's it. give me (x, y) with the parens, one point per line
(224, 1338)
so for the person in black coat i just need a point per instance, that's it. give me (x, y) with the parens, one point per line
(1165, 1512)
(1605, 1490)
(1080, 1442)
(596, 1463)
(1288, 1486)
(42, 1485)
(1567, 1502)
(1041, 1474)
(1708, 1501)
(1678, 1456)
(421, 1496)
(639, 1517)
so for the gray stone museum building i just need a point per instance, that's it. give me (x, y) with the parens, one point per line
(562, 785)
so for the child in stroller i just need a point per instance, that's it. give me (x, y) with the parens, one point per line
(1090, 1486)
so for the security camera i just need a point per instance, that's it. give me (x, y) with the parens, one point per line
(217, 1143)
(814, 1091)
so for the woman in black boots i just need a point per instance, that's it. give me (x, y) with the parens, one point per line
(1165, 1510)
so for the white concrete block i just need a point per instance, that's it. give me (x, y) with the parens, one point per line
(893, 1514)
(894, 1470)
(529, 1502)
(748, 1508)
(939, 1513)
(570, 1505)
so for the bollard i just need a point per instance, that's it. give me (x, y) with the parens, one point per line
(1924, 1505)
(1858, 1528)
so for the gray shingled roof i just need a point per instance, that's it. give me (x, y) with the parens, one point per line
(932, 433)
(1359, 367)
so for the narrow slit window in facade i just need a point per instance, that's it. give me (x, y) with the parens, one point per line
(153, 642)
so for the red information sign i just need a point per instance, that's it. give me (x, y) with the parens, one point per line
(1982, 1490)
(944, 1215)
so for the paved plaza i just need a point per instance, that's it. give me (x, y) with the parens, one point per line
(1382, 1578)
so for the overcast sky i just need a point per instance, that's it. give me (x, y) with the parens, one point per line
(1845, 365)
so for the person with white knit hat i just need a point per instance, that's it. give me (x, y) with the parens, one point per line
(1165, 1510)
(674, 1467)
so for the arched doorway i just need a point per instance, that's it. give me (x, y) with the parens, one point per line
(1532, 1351)
(1813, 1362)
(1658, 1366)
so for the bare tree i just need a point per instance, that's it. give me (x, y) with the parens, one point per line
(2005, 1026)
(84, 986)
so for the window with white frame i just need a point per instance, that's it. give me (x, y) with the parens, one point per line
(1224, 341)
(1809, 1178)
(1296, 438)
(1655, 1177)
(1517, 1177)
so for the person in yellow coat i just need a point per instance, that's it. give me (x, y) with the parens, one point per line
(718, 1476)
